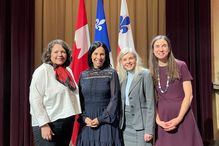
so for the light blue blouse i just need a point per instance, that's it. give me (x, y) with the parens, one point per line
(130, 77)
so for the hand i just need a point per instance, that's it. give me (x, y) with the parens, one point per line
(88, 122)
(172, 124)
(46, 132)
(95, 122)
(162, 124)
(167, 126)
(148, 137)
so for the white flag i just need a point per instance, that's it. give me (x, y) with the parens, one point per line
(125, 39)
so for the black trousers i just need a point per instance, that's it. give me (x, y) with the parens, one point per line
(62, 129)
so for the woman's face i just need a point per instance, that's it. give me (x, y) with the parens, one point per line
(161, 50)
(128, 62)
(58, 55)
(98, 57)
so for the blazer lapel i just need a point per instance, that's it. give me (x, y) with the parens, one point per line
(135, 81)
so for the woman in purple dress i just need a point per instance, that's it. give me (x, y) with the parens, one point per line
(174, 116)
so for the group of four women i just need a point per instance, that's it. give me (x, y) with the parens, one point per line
(116, 107)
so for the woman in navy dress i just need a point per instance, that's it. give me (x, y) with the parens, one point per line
(99, 92)
(175, 119)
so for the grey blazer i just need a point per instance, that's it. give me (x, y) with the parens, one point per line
(141, 102)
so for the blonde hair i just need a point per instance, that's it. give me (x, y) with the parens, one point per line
(153, 61)
(120, 69)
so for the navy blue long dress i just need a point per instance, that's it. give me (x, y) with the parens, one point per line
(100, 98)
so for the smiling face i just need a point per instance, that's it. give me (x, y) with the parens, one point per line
(98, 57)
(128, 62)
(161, 50)
(58, 55)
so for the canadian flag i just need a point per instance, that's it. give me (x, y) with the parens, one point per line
(125, 39)
(80, 54)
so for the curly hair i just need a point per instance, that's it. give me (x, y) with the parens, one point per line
(46, 56)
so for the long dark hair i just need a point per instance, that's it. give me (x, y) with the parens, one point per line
(92, 48)
(46, 57)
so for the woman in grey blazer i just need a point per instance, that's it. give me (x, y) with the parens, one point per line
(137, 118)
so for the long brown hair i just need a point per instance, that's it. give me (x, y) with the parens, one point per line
(153, 61)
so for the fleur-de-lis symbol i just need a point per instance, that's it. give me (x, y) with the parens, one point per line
(99, 24)
(124, 22)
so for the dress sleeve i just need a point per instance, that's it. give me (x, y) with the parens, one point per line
(37, 93)
(83, 114)
(185, 74)
(111, 112)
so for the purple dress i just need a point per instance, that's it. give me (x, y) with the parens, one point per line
(169, 103)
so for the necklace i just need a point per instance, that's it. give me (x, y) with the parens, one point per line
(159, 85)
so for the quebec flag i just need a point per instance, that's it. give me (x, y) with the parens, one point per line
(125, 38)
(101, 33)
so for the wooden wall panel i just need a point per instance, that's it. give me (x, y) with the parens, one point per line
(57, 19)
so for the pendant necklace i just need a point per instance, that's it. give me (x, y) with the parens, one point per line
(159, 85)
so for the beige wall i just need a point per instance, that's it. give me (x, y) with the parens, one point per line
(57, 19)
(215, 62)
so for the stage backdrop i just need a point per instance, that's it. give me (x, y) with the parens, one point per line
(188, 24)
(16, 65)
(57, 19)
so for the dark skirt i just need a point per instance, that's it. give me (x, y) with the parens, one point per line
(106, 134)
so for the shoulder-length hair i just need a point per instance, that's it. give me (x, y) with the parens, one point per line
(46, 57)
(120, 69)
(153, 61)
(92, 48)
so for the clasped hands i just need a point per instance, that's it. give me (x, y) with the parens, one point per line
(168, 125)
(91, 122)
